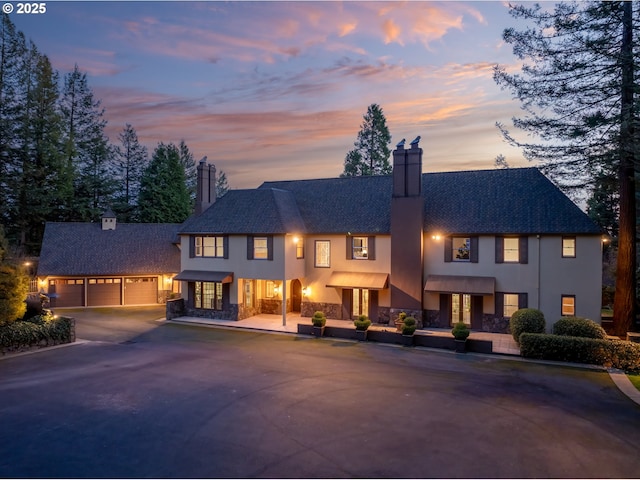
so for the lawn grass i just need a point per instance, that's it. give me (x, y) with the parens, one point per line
(635, 379)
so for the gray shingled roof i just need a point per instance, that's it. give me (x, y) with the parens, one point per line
(514, 200)
(260, 211)
(130, 249)
(503, 201)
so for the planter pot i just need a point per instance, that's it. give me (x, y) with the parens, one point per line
(361, 335)
(461, 346)
(407, 340)
(318, 331)
(399, 326)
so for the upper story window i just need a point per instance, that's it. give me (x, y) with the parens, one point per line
(209, 246)
(568, 247)
(568, 305)
(512, 249)
(322, 253)
(360, 248)
(461, 249)
(260, 248)
(299, 247)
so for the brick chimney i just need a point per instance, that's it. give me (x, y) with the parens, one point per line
(407, 223)
(205, 186)
(108, 219)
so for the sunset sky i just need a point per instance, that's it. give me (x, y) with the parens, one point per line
(277, 90)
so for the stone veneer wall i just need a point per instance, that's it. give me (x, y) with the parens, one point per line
(490, 322)
(331, 310)
(417, 314)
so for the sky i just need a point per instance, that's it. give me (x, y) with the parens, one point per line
(277, 90)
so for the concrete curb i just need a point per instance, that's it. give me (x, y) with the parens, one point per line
(624, 384)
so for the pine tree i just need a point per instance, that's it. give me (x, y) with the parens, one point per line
(371, 153)
(222, 186)
(577, 88)
(164, 197)
(130, 161)
(87, 149)
(190, 170)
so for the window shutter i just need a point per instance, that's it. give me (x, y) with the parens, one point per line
(192, 246)
(499, 249)
(372, 248)
(445, 309)
(448, 249)
(473, 255)
(349, 247)
(225, 246)
(523, 249)
(523, 300)
(499, 296)
(269, 247)
(249, 247)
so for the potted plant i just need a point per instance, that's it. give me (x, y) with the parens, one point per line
(319, 321)
(408, 329)
(362, 324)
(400, 321)
(460, 332)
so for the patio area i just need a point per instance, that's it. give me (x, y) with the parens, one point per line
(502, 343)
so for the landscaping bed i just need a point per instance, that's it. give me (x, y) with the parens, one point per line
(37, 332)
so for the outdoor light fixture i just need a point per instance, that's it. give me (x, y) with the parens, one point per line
(276, 289)
(436, 236)
(306, 291)
(296, 239)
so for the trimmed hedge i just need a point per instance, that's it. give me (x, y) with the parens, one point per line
(39, 329)
(609, 353)
(578, 327)
(529, 320)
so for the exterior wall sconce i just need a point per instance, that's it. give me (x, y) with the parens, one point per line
(436, 236)
(276, 289)
(306, 291)
(296, 239)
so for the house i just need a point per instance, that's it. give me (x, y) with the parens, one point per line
(108, 263)
(471, 246)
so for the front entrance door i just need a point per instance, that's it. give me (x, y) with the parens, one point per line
(460, 308)
(296, 295)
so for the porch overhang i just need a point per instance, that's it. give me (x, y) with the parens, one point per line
(460, 284)
(204, 276)
(371, 281)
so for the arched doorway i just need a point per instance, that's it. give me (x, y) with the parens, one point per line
(296, 295)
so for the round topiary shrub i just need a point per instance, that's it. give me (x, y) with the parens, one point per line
(319, 319)
(529, 320)
(362, 323)
(409, 326)
(460, 331)
(578, 327)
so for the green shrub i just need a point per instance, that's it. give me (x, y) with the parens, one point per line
(319, 319)
(362, 323)
(595, 351)
(410, 326)
(51, 329)
(529, 320)
(14, 286)
(460, 331)
(578, 327)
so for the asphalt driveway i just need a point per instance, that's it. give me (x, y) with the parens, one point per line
(164, 400)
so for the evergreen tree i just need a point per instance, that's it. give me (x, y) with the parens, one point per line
(190, 170)
(222, 186)
(130, 161)
(87, 150)
(164, 197)
(577, 87)
(371, 153)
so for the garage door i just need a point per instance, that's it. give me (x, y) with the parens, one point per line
(104, 291)
(140, 290)
(66, 292)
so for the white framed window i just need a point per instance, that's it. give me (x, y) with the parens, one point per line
(260, 248)
(322, 254)
(360, 248)
(568, 305)
(300, 248)
(270, 289)
(511, 249)
(207, 246)
(510, 304)
(461, 249)
(568, 247)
